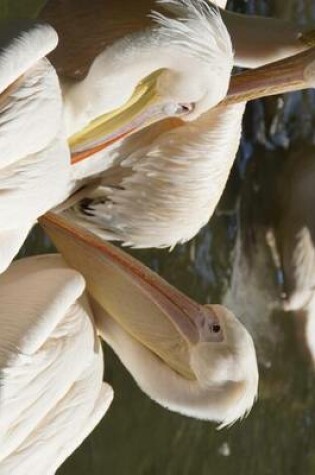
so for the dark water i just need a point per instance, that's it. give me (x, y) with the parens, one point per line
(230, 262)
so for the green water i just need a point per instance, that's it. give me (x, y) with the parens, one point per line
(137, 437)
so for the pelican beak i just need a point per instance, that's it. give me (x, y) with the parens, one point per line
(146, 107)
(141, 110)
(290, 74)
(153, 312)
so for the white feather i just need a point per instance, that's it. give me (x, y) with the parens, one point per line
(224, 403)
(51, 366)
(198, 30)
(35, 162)
(174, 185)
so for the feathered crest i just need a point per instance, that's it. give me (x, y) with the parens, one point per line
(197, 28)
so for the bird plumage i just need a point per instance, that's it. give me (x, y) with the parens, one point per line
(35, 166)
(220, 391)
(51, 366)
(189, 77)
(196, 360)
(174, 182)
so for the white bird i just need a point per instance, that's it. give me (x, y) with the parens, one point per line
(196, 360)
(152, 192)
(162, 185)
(51, 366)
(32, 178)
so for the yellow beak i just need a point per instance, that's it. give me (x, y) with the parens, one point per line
(143, 109)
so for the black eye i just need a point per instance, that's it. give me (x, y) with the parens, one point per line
(215, 328)
(186, 108)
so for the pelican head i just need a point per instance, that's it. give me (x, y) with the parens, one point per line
(231, 348)
(197, 360)
(201, 41)
(180, 67)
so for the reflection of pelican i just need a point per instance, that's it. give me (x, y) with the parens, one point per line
(295, 230)
(265, 267)
(199, 361)
(156, 194)
(145, 199)
(52, 394)
(295, 234)
(253, 293)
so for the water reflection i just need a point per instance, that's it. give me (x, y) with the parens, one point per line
(230, 260)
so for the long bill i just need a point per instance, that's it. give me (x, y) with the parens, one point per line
(291, 74)
(153, 312)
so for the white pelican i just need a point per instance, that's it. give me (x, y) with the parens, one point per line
(196, 360)
(33, 171)
(144, 195)
(167, 180)
(51, 366)
(162, 185)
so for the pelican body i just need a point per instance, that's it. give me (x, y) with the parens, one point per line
(51, 366)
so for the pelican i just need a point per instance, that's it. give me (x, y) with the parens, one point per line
(169, 177)
(196, 360)
(148, 195)
(199, 361)
(51, 366)
(162, 184)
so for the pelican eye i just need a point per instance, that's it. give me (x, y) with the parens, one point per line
(215, 328)
(185, 108)
(178, 110)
